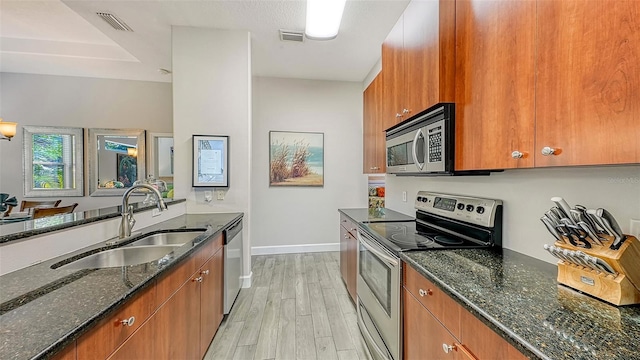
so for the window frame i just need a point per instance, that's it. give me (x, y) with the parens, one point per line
(76, 167)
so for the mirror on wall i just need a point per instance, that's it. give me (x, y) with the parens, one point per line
(53, 161)
(160, 150)
(116, 160)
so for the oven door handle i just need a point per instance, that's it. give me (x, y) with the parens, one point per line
(413, 150)
(389, 260)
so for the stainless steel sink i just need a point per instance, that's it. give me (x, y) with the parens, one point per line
(125, 256)
(168, 238)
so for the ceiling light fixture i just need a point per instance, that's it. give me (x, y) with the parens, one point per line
(7, 130)
(323, 19)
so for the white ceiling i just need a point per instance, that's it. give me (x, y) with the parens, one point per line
(68, 38)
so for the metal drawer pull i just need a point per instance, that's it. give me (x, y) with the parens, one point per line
(448, 348)
(423, 293)
(346, 236)
(198, 279)
(204, 272)
(129, 321)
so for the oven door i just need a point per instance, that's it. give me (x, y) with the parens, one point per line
(378, 298)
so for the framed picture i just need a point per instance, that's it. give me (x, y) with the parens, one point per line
(127, 169)
(296, 158)
(210, 161)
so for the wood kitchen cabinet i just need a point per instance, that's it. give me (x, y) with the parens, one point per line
(495, 83)
(348, 255)
(374, 148)
(211, 299)
(588, 82)
(437, 327)
(418, 60)
(546, 83)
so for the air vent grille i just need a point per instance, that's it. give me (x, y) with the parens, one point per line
(114, 21)
(291, 35)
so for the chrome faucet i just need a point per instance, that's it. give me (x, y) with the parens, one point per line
(127, 222)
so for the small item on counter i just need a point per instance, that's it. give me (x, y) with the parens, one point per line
(380, 191)
(373, 191)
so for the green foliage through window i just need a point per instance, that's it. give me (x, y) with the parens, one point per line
(51, 159)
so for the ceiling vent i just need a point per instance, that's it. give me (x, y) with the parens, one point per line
(291, 35)
(114, 22)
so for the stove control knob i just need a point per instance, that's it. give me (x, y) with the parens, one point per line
(480, 209)
(424, 199)
(470, 207)
(419, 198)
(460, 206)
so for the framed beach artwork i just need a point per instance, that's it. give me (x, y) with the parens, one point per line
(296, 158)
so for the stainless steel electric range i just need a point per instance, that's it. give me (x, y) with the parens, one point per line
(443, 221)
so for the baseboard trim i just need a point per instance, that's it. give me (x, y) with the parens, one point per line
(294, 249)
(246, 280)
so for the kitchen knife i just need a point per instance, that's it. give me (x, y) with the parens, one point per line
(571, 255)
(576, 234)
(553, 217)
(589, 220)
(617, 231)
(551, 227)
(592, 214)
(582, 256)
(562, 204)
(566, 236)
(559, 213)
(603, 264)
(558, 252)
(587, 228)
(548, 248)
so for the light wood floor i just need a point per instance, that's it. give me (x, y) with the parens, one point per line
(297, 308)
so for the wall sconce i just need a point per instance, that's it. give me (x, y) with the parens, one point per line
(132, 152)
(7, 130)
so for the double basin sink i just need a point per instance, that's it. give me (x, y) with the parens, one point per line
(143, 250)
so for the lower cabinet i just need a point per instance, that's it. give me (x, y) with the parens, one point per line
(436, 327)
(175, 319)
(348, 255)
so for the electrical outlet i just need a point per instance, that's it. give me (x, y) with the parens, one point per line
(404, 196)
(220, 195)
(208, 196)
(634, 227)
(155, 212)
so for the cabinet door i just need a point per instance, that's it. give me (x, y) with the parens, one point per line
(429, 50)
(374, 149)
(178, 324)
(352, 266)
(211, 299)
(344, 249)
(424, 336)
(495, 74)
(588, 82)
(393, 75)
(141, 345)
(483, 342)
(69, 353)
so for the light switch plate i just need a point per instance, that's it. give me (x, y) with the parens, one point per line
(404, 196)
(220, 195)
(208, 196)
(634, 227)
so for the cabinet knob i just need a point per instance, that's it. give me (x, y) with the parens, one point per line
(423, 292)
(204, 272)
(198, 279)
(374, 168)
(346, 236)
(448, 348)
(517, 154)
(546, 151)
(405, 111)
(129, 321)
(398, 115)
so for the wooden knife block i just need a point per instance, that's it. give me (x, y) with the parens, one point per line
(624, 289)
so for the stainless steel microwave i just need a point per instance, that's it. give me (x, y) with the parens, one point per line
(423, 144)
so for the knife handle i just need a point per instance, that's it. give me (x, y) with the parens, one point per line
(562, 204)
(594, 216)
(549, 224)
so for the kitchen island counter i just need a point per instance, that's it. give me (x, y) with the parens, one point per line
(518, 297)
(42, 310)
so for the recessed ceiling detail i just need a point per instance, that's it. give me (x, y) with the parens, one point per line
(114, 21)
(291, 35)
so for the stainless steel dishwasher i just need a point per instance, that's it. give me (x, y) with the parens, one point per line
(232, 264)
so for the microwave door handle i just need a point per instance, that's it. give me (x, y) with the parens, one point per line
(413, 151)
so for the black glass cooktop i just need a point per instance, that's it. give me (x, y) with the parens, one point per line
(404, 236)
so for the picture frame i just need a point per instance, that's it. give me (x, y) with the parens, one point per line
(210, 161)
(296, 159)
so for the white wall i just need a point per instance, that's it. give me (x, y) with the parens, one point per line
(48, 100)
(212, 96)
(526, 195)
(293, 217)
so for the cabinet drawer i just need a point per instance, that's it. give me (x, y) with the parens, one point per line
(208, 250)
(349, 225)
(170, 283)
(435, 300)
(111, 332)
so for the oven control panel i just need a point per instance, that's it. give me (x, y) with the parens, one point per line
(469, 209)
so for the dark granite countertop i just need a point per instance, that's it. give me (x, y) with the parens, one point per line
(42, 310)
(375, 215)
(518, 297)
(23, 229)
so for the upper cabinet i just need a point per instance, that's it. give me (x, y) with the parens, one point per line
(547, 83)
(418, 60)
(374, 137)
(588, 82)
(495, 84)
